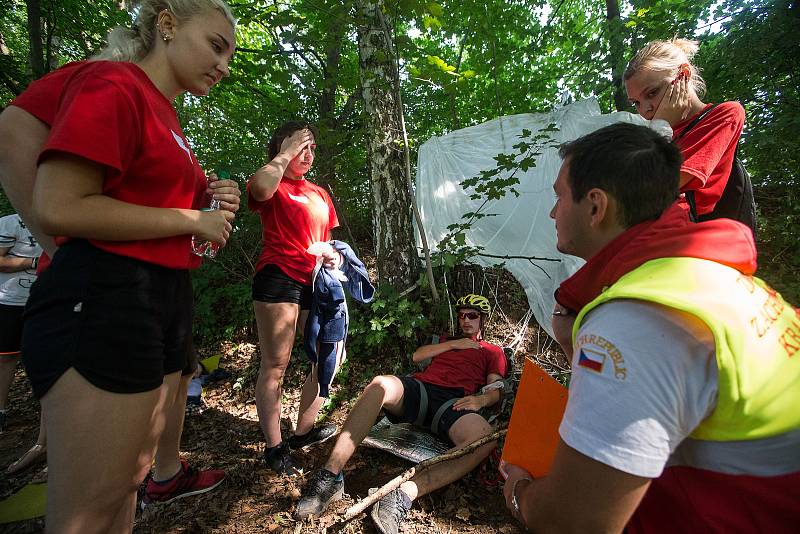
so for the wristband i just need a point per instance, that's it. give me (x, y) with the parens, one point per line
(34, 262)
(515, 501)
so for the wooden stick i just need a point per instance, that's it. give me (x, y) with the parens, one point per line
(422, 466)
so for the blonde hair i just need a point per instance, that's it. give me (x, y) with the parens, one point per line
(668, 56)
(134, 43)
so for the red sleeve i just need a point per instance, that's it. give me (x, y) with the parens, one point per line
(41, 97)
(708, 148)
(498, 364)
(97, 120)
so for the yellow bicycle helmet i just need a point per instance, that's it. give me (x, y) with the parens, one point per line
(476, 302)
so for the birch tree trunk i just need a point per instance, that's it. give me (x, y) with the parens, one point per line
(397, 259)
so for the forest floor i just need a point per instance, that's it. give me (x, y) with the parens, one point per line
(253, 499)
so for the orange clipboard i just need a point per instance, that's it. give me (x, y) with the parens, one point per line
(533, 430)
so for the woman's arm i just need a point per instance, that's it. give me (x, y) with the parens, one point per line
(265, 180)
(68, 200)
(22, 137)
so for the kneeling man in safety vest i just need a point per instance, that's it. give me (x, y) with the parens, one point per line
(684, 403)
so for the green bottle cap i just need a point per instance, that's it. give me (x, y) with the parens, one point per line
(223, 175)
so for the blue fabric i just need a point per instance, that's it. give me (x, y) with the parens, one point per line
(328, 318)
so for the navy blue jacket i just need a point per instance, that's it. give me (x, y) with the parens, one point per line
(328, 318)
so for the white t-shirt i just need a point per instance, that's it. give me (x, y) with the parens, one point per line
(17, 239)
(643, 378)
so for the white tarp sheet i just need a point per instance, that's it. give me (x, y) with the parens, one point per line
(522, 226)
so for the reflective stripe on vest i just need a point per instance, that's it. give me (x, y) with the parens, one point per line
(757, 337)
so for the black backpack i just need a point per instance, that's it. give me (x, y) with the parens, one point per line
(737, 201)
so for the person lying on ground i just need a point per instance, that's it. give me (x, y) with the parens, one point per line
(450, 386)
(685, 371)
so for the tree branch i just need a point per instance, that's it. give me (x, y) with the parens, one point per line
(422, 466)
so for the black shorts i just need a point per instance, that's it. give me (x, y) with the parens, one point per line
(10, 329)
(120, 322)
(437, 395)
(191, 360)
(271, 284)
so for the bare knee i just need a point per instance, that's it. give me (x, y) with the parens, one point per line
(273, 367)
(381, 383)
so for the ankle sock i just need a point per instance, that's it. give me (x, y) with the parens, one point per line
(339, 477)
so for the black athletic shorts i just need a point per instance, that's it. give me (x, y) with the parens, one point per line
(10, 329)
(191, 360)
(271, 284)
(437, 395)
(120, 322)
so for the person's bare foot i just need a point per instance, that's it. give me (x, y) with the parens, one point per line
(34, 455)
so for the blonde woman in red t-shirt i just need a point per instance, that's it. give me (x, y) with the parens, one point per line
(108, 324)
(294, 214)
(663, 83)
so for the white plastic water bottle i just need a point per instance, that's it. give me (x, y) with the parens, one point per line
(204, 247)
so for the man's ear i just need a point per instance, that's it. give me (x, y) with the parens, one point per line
(601, 207)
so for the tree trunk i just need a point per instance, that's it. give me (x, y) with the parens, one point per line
(397, 259)
(36, 55)
(328, 144)
(616, 55)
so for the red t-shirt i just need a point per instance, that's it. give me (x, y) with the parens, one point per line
(41, 97)
(112, 114)
(298, 214)
(467, 368)
(708, 150)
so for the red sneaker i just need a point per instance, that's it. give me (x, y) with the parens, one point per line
(188, 481)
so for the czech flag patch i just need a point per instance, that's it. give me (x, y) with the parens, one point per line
(592, 359)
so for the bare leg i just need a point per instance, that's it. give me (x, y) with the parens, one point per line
(33, 455)
(8, 366)
(463, 432)
(310, 403)
(384, 391)
(168, 459)
(276, 327)
(101, 447)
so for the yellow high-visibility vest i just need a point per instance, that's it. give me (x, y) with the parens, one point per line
(756, 333)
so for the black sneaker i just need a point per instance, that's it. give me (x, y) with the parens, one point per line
(279, 460)
(389, 512)
(318, 434)
(323, 488)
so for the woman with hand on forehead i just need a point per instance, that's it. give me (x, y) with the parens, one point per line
(664, 85)
(108, 324)
(294, 214)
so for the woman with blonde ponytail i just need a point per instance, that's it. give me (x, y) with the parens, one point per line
(108, 328)
(664, 85)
